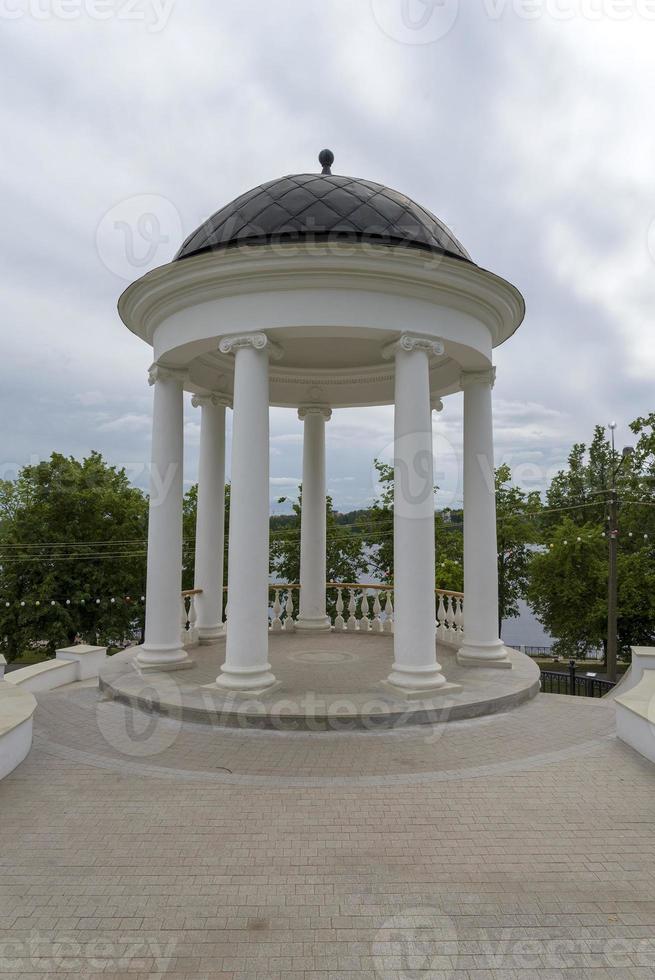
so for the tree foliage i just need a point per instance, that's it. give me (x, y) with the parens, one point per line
(379, 536)
(517, 533)
(345, 559)
(569, 582)
(189, 516)
(71, 533)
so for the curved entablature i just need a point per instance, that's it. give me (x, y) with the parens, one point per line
(330, 315)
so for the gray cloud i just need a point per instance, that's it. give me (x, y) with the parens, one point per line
(527, 136)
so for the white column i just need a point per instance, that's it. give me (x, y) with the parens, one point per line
(481, 643)
(162, 648)
(210, 517)
(415, 654)
(246, 666)
(313, 520)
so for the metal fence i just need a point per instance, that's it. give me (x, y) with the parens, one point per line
(573, 683)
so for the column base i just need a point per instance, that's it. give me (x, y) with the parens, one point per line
(210, 634)
(252, 680)
(416, 679)
(320, 625)
(492, 654)
(163, 659)
(423, 694)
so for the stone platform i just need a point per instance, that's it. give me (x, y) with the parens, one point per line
(327, 682)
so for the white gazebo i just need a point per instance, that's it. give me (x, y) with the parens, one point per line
(316, 292)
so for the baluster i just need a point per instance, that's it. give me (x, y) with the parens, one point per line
(193, 617)
(388, 614)
(364, 622)
(441, 619)
(376, 625)
(339, 622)
(450, 619)
(183, 621)
(459, 615)
(289, 623)
(352, 608)
(276, 625)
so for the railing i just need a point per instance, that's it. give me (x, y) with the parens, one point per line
(572, 683)
(365, 608)
(352, 607)
(188, 617)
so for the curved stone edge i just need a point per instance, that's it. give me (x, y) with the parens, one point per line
(16, 714)
(231, 717)
(76, 663)
(634, 698)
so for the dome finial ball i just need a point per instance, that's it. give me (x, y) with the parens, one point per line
(326, 159)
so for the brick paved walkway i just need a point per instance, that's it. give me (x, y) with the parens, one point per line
(514, 846)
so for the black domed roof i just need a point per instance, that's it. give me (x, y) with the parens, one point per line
(319, 207)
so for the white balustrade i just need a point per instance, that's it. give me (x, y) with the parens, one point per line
(188, 619)
(362, 617)
(339, 621)
(289, 622)
(193, 620)
(450, 618)
(352, 609)
(184, 621)
(364, 622)
(276, 624)
(387, 626)
(441, 620)
(376, 625)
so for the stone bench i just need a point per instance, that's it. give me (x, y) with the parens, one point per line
(76, 663)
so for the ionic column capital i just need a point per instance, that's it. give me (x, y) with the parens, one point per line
(259, 341)
(436, 404)
(160, 372)
(305, 410)
(468, 378)
(213, 398)
(409, 342)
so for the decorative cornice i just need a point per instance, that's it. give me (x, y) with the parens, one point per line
(468, 378)
(214, 398)
(260, 341)
(306, 410)
(160, 372)
(410, 342)
(400, 272)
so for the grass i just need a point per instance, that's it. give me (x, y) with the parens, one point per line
(30, 657)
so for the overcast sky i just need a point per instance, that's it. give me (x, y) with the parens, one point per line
(526, 126)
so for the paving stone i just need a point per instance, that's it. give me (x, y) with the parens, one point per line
(513, 846)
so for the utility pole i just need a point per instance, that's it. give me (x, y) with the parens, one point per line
(612, 579)
(612, 586)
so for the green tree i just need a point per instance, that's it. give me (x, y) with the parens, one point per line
(189, 514)
(345, 558)
(72, 539)
(568, 585)
(517, 533)
(378, 536)
(581, 490)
